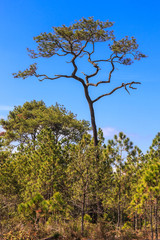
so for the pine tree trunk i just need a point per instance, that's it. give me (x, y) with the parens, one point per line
(95, 137)
(151, 222)
(121, 217)
(145, 220)
(141, 223)
(119, 210)
(93, 121)
(136, 221)
(156, 219)
(83, 213)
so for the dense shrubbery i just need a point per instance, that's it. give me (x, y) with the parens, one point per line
(58, 184)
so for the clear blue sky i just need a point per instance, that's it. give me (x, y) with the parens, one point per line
(137, 114)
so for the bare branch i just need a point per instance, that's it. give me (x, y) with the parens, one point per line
(112, 70)
(44, 77)
(112, 61)
(96, 84)
(109, 78)
(94, 65)
(115, 89)
(105, 60)
(113, 56)
(74, 65)
(74, 58)
(62, 55)
(95, 73)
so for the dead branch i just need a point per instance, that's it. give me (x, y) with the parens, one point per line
(115, 89)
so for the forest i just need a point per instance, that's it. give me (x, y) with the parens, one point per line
(59, 177)
(56, 184)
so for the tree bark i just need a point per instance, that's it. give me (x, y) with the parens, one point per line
(93, 121)
(83, 213)
(145, 220)
(151, 222)
(156, 219)
(136, 221)
(119, 208)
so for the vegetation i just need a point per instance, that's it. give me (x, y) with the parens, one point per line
(53, 186)
(59, 182)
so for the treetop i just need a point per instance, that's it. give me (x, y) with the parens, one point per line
(79, 39)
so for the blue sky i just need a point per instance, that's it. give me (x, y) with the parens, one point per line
(137, 115)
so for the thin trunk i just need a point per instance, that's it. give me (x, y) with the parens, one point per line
(141, 223)
(83, 213)
(136, 221)
(145, 220)
(151, 221)
(118, 223)
(121, 216)
(93, 121)
(94, 127)
(156, 219)
(95, 137)
(119, 209)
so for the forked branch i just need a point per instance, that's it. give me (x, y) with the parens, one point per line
(42, 77)
(109, 77)
(124, 85)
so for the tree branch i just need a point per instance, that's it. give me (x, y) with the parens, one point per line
(50, 78)
(74, 64)
(109, 78)
(45, 77)
(82, 48)
(104, 60)
(62, 55)
(94, 65)
(115, 89)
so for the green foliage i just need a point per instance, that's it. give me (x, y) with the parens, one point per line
(25, 123)
(74, 40)
(155, 147)
(50, 44)
(52, 188)
(87, 218)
